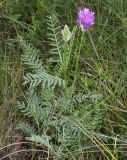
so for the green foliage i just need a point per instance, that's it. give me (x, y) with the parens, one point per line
(39, 74)
(62, 108)
(59, 113)
(43, 140)
(55, 38)
(33, 108)
(26, 128)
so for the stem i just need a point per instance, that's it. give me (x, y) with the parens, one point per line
(66, 61)
(77, 61)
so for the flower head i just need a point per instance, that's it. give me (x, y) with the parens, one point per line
(85, 18)
(67, 34)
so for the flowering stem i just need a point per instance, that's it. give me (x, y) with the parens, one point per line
(77, 60)
(66, 60)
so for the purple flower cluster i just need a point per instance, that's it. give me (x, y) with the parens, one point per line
(85, 18)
